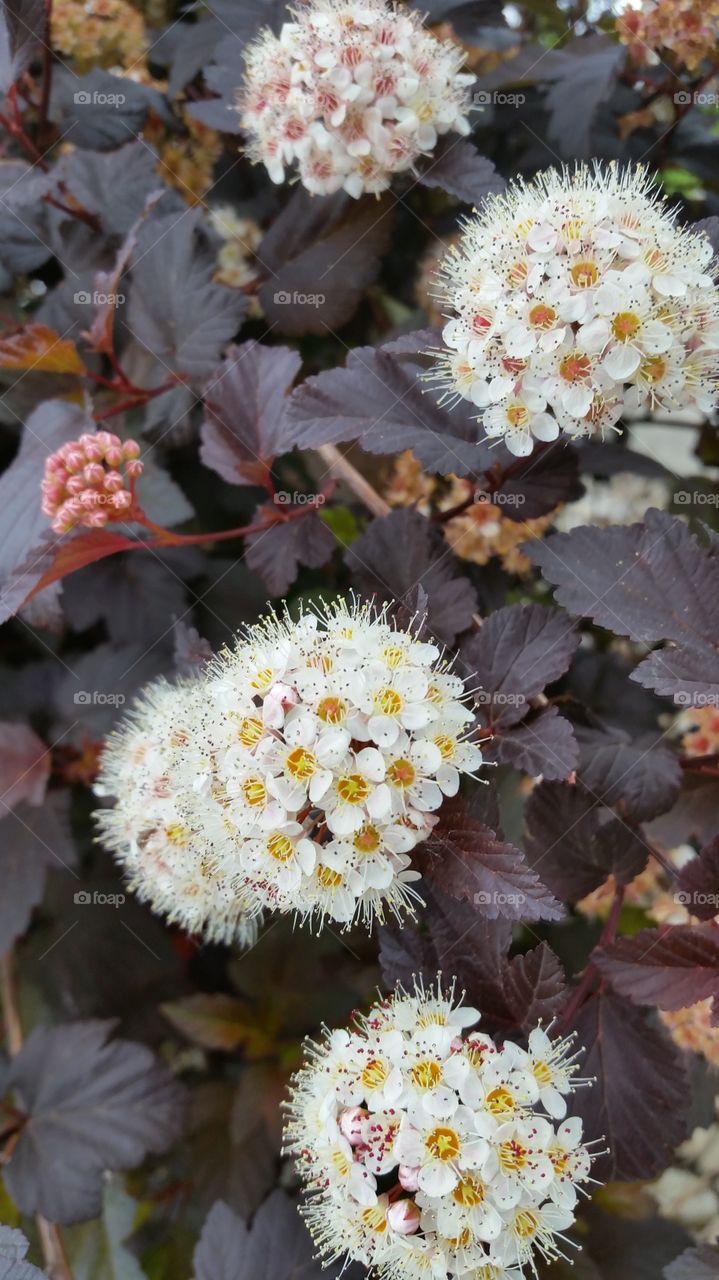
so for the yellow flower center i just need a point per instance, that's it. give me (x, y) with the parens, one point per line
(328, 878)
(525, 1224)
(469, 1193)
(585, 274)
(445, 745)
(367, 839)
(375, 1218)
(401, 774)
(352, 788)
(255, 792)
(301, 763)
(177, 834)
(388, 701)
(262, 679)
(393, 656)
(443, 1143)
(280, 847)
(626, 326)
(512, 1156)
(341, 1162)
(542, 317)
(517, 273)
(250, 731)
(517, 416)
(542, 1073)
(374, 1074)
(427, 1074)
(332, 710)
(500, 1101)
(653, 369)
(575, 368)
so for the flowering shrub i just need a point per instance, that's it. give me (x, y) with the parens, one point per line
(297, 776)
(431, 1148)
(360, 673)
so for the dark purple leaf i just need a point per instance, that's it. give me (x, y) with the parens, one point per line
(534, 486)
(245, 424)
(379, 400)
(24, 765)
(640, 777)
(192, 651)
(697, 886)
(451, 936)
(13, 1247)
(320, 256)
(670, 967)
(587, 80)
(620, 577)
(459, 169)
(543, 744)
(23, 31)
(233, 1157)
(637, 1107)
(470, 859)
(575, 844)
(90, 1104)
(278, 551)
(31, 842)
(403, 551)
(514, 655)
(276, 1247)
(175, 310)
(698, 1263)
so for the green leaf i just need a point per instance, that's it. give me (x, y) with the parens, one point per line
(342, 523)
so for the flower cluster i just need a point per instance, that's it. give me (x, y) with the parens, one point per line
(85, 481)
(477, 534)
(427, 1150)
(103, 33)
(689, 29)
(575, 298)
(351, 92)
(152, 827)
(303, 768)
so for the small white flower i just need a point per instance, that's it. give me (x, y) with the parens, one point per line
(573, 297)
(466, 1189)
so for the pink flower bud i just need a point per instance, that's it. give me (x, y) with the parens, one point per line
(121, 501)
(113, 481)
(94, 473)
(456, 1043)
(351, 1124)
(75, 459)
(96, 519)
(408, 1177)
(403, 1217)
(94, 452)
(113, 456)
(75, 485)
(134, 468)
(131, 450)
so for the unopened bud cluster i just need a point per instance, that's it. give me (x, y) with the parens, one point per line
(86, 481)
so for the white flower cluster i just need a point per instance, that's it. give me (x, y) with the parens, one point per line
(351, 92)
(575, 298)
(423, 1146)
(296, 775)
